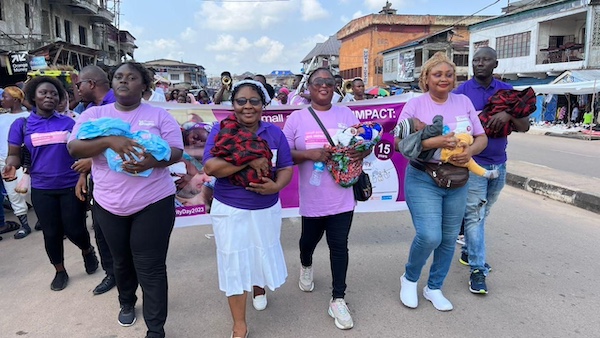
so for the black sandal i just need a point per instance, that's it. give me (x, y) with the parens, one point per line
(22, 233)
(9, 226)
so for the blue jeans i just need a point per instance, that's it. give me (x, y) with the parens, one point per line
(437, 214)
(483, 193)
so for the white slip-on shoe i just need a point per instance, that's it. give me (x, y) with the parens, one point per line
(408, 293)
(260, 302)
(436, 297)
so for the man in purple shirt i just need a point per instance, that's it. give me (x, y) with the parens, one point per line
(94, 87)
(483, 192)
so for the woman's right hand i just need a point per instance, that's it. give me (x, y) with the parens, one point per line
(318, 154)
(447, 141)
(9, 173)
(126, 147)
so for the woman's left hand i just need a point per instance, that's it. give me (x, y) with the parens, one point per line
(463, 158)
(136, 167)
(268, 187)
(355, 155)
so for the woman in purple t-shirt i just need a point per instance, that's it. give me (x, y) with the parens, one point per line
(437, 212)
(252, 162)
(55, 187)
(136, 213)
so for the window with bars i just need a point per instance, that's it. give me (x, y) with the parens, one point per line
(514, 45)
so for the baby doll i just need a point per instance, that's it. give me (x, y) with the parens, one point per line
(361, 132)
(412, 131)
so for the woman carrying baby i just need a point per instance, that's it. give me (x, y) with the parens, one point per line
(327, 208)
(437, 212)
(252, 162)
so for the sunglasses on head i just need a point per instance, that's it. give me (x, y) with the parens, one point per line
(253, 101)
(318, 82)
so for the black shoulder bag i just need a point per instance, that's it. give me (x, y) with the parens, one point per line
(25, 154)
(362, 188)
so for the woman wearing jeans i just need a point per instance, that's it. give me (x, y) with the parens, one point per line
(437, 212)
(136, 213)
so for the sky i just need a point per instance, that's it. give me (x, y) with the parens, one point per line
(259, 35)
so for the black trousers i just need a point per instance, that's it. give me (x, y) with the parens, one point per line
(139, 245)
(106, 258)
(60, 213)
(337, 228)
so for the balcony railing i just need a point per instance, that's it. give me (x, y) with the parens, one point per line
(567, 53)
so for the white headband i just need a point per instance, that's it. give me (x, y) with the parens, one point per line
(258, 84)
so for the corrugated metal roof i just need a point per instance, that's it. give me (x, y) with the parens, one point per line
(578, 76)
(327, 48)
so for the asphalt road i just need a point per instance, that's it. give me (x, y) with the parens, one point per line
(544, 257)
(577, 156)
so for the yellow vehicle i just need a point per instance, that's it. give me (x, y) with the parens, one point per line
(64, 76)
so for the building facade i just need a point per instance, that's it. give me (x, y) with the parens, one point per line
(364, 39)
(181, 74)
(72, 33)
(402, 64)
(325, 54)
(542, 39)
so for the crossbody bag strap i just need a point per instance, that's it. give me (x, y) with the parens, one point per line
(312, 111)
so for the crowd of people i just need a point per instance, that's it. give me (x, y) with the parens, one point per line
(244, 162)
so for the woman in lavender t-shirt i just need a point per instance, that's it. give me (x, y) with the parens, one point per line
(437, 212)
(136, 214)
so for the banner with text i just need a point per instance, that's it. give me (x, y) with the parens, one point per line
(384, 166)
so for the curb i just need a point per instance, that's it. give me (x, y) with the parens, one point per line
(556, 192)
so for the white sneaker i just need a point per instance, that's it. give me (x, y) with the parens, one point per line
(460, 240)
(338, 310)
(260, 302)
(437, 299)
(408, 293)
(306, 283)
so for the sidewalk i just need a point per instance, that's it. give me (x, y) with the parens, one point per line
(570, 188)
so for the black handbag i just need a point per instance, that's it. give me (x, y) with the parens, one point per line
(362, 188)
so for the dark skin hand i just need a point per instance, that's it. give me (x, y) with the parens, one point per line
(498, 121)
(81, 187)
(82, 166)
(134, 167)
(261, 165)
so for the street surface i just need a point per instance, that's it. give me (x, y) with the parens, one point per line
(543, 253)
(567, 154)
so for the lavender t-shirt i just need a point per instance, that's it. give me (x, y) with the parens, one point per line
(46, 138)
(120, 193)
(458, 112)
(302, 133)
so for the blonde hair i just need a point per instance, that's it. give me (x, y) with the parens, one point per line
(436, 59)
(16, 93)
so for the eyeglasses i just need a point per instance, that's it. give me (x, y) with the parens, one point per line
(318, 82)
(253, 101)
(78, 84)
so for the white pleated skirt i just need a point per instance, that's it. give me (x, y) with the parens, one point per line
(249, 248)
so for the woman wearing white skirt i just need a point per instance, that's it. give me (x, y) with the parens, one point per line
(252, 162)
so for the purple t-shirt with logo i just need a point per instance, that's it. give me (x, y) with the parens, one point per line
(239, 197)
(46, 139)
(122, 194)
(495, 152)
